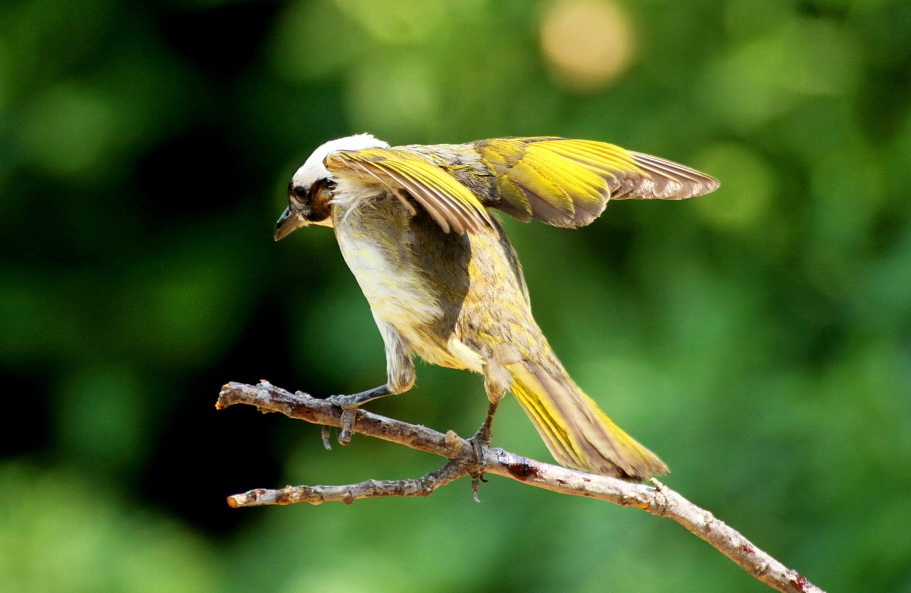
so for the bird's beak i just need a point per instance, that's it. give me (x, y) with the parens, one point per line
(289, 222)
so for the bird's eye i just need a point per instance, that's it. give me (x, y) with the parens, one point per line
(330, 184)
(299, 192)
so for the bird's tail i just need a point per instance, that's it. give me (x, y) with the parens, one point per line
(575, 430)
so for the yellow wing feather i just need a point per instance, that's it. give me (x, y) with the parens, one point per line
(452, 205)
(568, 182)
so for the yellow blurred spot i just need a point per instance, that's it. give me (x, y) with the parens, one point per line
(588, 43)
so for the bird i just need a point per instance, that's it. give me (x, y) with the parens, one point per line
(415, 225)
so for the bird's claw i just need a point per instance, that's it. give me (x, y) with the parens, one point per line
(347, 420)
(349, 405)
(480, 443)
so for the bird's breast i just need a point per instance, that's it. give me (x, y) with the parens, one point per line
(375, 242)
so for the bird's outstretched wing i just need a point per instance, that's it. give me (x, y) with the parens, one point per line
(559, 181)
(451, 204)
(567, 182)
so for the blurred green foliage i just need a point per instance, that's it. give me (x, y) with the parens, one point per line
(759, 339)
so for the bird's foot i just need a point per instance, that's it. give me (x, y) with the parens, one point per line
(480, 443)
(349, 405)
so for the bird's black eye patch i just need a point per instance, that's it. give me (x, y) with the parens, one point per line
(299, 192)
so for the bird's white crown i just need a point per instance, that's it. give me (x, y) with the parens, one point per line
(314, 169)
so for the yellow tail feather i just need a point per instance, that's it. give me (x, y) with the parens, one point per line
(577, 433)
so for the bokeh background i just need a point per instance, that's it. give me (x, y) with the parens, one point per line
(759, 339)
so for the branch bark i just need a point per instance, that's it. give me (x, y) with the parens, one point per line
(467, 458)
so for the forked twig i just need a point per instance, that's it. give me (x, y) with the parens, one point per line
(470, 459)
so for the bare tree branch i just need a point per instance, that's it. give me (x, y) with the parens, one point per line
(467, 458)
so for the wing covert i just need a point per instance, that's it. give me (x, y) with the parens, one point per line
(452, 205)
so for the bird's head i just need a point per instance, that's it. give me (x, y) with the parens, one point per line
(312, 187)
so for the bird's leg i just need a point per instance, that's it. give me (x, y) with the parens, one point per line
(496, 382)
(485, 433)
(495, 386)
(400, 377)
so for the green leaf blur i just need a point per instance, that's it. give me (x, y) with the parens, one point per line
(758, 339)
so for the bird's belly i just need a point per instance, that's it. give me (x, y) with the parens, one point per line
(401, 297)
